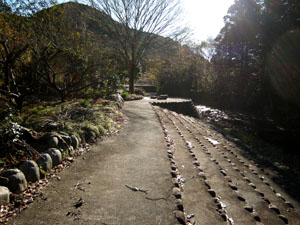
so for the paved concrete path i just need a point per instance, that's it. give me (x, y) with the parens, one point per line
(136, 157)
(171, 156)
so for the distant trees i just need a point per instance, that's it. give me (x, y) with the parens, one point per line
(237, 58)
(252, 65)
(257, 56)
(16, 35)
(39, 49)
(64, 55)
(185, 73)
(139, 23)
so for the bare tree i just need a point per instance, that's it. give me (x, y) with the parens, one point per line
(135, 24)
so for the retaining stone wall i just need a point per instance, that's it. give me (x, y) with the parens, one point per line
(184, 107)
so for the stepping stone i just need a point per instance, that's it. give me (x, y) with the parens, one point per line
(252, 185)
(280, 196)
(212, 192)
(196, 163)
(170, 152)
(260, 192)
(223, 172)
(179, 215)
(247, 179)
(173, 161)
(241, 198)
(173, 167)
(175, 182)
(274, 208)
(224, 216)
(170, 156)
(232, 186)
(289, 204)
(200, 169)
(267, 200)
(283, 218)
(236, 169)
(174, 174)
(176, 192)
(179, 204)
(212, 159)
(221, 205)
(207, 184)
(256, 216)
(202, 175)
(248, 208)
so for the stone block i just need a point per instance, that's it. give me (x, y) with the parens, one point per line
(74, 142)
(55, 155)
(17, 182)
(4, 195)
(31, 170)
(45, 162)
(52, 142)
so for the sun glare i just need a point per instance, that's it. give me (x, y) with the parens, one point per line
(205, 17)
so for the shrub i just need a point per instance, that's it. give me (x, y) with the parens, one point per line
(139, 91)
(84, 103)
(125, 95)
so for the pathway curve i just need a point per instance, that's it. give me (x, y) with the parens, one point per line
(135, 158)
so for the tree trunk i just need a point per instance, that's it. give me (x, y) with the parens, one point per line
(131, 79)
(19, 102)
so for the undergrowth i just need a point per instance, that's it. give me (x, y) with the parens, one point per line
(87, 119)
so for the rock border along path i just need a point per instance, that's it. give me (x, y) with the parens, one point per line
(163, 168)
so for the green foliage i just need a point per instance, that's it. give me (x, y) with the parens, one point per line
(49, 50)
(84, 103)
(73, 117)
(124, 94)
(185, 73)
(92, 93)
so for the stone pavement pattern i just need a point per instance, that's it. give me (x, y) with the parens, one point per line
(171, 156)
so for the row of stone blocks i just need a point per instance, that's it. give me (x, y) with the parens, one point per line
(181, 107)
(16, 180)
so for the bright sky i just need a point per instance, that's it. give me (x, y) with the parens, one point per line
(205, 17)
